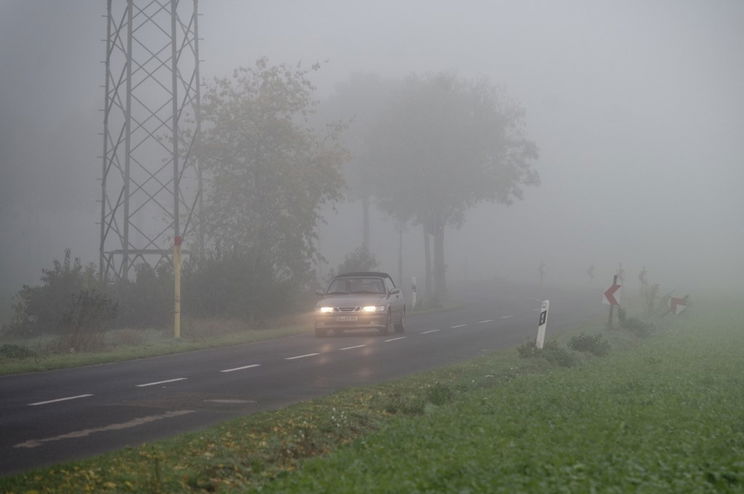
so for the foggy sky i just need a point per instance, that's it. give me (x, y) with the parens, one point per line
(637, 108)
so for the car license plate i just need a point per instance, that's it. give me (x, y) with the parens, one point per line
(346, 318)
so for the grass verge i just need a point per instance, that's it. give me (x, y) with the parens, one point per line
(663, 415)
(47, 353)
(132, 344)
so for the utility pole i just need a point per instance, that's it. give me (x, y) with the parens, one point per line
(150, 181)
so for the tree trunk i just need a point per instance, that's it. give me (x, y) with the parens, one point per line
(400, 255)
(365, 222)
(427, 264)
(440, 280)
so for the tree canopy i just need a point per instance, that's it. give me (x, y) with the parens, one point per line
(444, 144)
(268, 171)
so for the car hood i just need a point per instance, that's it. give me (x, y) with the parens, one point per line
(351, 300)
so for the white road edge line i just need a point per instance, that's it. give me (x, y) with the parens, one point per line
(395, 339)
(67, 398)
(485, 321)
(458, 326)
(161, 382)
(241, 368)
(352, 347)
(301, 356)
(430, 331)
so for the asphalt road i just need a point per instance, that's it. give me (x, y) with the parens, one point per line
(50, 417)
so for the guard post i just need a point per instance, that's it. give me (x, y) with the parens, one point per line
(542, 324)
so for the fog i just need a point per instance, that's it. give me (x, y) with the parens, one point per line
(637, 108)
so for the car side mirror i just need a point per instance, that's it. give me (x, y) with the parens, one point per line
(394, 291)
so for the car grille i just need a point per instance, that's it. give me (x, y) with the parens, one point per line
(347, 309)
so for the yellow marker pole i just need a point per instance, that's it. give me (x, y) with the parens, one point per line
(177, 287)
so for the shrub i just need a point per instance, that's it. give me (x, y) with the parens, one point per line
(551, 351)
(240, 285)
(439, 394)
(16, 351)
(555, 354)
(528, 349)
(148, 300)
(634, 325)
(40, 309)
(83, 321)
(594, 344)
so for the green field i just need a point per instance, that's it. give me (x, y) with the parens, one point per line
(658, 414)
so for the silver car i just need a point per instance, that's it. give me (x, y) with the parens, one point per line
(368, 300)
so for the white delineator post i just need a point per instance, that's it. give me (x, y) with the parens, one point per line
(542, 324)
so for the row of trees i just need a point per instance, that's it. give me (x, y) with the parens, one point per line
(428, 148)
(424, 150)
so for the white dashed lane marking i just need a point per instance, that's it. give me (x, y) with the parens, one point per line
(251, 366)
(458, 326)
(307, 355)
(431, 331)
(486, 321)
(57, 400)
(395, 339)
(352, 347)
(167, 381)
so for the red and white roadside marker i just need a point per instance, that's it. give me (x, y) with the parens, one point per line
(677, 304)
(611, 297)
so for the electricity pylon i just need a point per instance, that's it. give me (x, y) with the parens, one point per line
(151, 183)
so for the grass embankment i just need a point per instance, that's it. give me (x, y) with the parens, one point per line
(666, 414)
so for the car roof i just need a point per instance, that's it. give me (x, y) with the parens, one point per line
(377, 274)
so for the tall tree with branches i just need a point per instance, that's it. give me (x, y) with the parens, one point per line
(443, 145)
(268, 169)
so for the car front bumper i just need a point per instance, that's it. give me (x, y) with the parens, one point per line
(356, 321)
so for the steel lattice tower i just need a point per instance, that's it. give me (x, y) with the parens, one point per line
(150, 185)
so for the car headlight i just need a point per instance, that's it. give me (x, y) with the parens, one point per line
(325, 310)
(373, 308)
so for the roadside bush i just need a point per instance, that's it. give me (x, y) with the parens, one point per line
(551, 351)
(239, 286)
(83, 322)
(40, 309)
(148, 300)
(594, 344)
(634, 325)
(439, 394)
(16, 351)
(527, 349)
(242, 286)
(406, 404)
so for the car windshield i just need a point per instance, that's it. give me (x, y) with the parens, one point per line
(341, 286)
